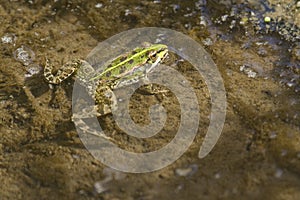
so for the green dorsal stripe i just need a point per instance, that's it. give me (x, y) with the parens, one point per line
(131, 57)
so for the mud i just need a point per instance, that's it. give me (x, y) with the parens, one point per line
(42, 157)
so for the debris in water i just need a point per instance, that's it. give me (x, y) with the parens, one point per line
(200, 3)
(203, 21)
(278, 173)
(175, 7)
(273, 135)
(283, 152)
(207, 42)
(127, 12)
(248, 71)
(290, 84)
(232, 24)
(189, 171)
(101, 186)
(24, 55)
(224, 17)
(217, 175)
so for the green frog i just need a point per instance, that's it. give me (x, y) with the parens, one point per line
(126, 69)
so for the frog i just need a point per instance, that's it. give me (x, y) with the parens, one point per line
(124, 70)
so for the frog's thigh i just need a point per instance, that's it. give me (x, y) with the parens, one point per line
(106, 101)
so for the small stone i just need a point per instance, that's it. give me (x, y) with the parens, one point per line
(298, 4)
(98, 5)
(217, 175)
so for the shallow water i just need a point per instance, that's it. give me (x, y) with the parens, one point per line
(258, 154)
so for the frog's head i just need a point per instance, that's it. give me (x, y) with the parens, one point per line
(158, 52)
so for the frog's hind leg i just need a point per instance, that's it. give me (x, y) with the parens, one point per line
(104, 106)
(63, 73)
(87, 129)
(105, 102)
(89, 112)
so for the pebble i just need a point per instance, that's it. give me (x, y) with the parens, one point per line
(217, 175)
(98, 5)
